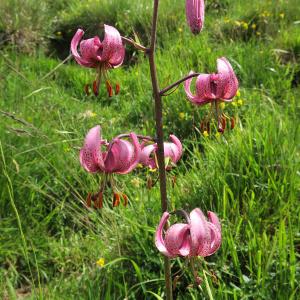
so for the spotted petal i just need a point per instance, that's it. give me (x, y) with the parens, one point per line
(86, 62)
(113, 49)
(159, 240)
(90, 154)
(195, 15)
(200, 234)
(203, 90)
(177, 239)
(231, 83)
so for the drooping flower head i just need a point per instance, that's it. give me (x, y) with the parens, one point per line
(197, 237)
(215, 87)
(210, 87)
(172, 150)
(119, 156)
(195, 14)
(102, 55)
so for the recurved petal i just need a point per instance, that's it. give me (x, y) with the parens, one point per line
(90, 154)
(145, 156)
(159, 240)
(200, 233)
(113, 49)
(195, 14)
(213, 218)
(231, 83)
(216, 238)
(175, 140)
(134, 155)
(199, 98)
(90, 49)
(74, 45)
(177, 239)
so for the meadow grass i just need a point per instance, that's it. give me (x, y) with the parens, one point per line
(49, 241)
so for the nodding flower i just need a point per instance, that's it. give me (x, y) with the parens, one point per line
(172, 150)
(101, 55)
(120, 156)
(197, 237)
(211, 87)
(195, 14)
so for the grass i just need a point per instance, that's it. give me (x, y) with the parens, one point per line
(49, 243)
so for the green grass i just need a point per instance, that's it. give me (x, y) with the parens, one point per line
(49, 243)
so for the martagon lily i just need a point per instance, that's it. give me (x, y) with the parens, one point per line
(195, 15)
(119, 156)
(213, 88)
(172, 152)
(101, 55)
(197, 237)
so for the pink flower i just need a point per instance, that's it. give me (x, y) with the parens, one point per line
(120, 156)
(172, 150)
(109, 53)
(198, 237)
(103, 55)
(195, 14)
(211, 87)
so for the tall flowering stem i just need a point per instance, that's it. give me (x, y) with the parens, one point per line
(160, 138)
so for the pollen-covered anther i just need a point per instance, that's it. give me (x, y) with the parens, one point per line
(125, 199)
(109, 88)
(99, 200)
(95, 88)
(87, 89)
(89, 200)
(232, 122)
(116, 200)
(117, 90)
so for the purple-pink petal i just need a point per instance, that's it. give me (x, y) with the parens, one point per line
(159, 240)
(90, 154)
(177, 239)
(74, 49)
(200, 233)
(113, 49)
(231, 82)
(195, 15)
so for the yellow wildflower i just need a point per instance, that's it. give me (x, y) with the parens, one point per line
(181, 116)
(180, 29)
(281, 15)
(245, 25)
(222, 105)
(258, 33)
(240, 102)
(237, 23)
(253, 26)
(205, 133)
(238, 93)
(100, 262)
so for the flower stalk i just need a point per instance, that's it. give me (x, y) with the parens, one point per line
(160, 138)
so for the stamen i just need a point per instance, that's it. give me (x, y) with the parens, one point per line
(87, 89)
(125, 198)
(232, 123)
(117, 90)
(96, 88)
(109, 88)
(116, 201)
(99, 202)
(89, 200)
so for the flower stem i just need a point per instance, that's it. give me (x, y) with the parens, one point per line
(160, 139)
(134, 44)
(176, 83)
